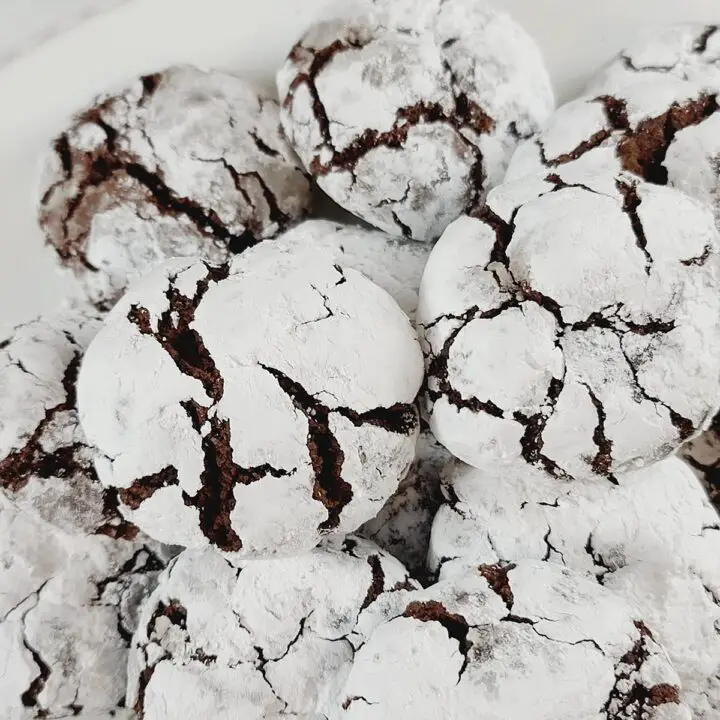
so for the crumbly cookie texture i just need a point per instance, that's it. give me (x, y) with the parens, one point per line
(273, 639)
(686, 51)
(46, 465)
(703, 455)
(407, 115)
(394, 264)
(530, 639)
(68, 609)
(181, 163)
(255, 408)
(403, 526)
(654, 539)
(573, 326)
(666, 132)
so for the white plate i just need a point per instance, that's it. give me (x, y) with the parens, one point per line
(40, 90)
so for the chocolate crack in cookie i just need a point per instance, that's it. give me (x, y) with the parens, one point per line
(653, 539)
(396, 265)
(686, 51)
(665, 132)
(530, 639)
(273, 639)
(69, 606)
(181, 163)
(574, 327)
(46, 464)
(703, 455)
(255, 407)
(397, 117)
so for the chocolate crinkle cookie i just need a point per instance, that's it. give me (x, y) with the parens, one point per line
(396, 265)
(703, 455)
(403, 526)
(68, 609)
(686, 51)
(407, 114)
(255, 407)
(46, 465)
(666, 132)
(654, 539)
(526, 640)
(181, 163)
(271, 640)
(574, 327)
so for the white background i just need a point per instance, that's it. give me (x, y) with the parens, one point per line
(26, 23)
(55, 55)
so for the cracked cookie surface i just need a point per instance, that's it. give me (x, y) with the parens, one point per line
(526, 640)
(403, 525)
(406, 115)
(666, 132)
(686, 51)
(654, 540)
(182, 163)
(394, 264)
(254, 407)
(270, 640)
(574, 327)
(68, 609)
(46, 465)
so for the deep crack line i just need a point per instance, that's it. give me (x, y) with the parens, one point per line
(20, 465)
(683, 425)
(467, 115)
(631, 203)
(326, 455)
(456, 626)
(603, 460)
(438, 370)
(215, 500)
(700, 45)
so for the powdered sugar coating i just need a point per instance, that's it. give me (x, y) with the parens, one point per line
(46, 466)
(393, 264)
(406, 114)
(526, 640)
(68, 608)
(181, 163)
(686, 51)
(665, 131)
(256, 407)
(270, 640)
(403, 526)
(654, 539)
(602, 367)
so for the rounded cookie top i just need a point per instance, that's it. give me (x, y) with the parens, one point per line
(665, 132)
(46, 465)
(522, 640)
(406, 116)
(68, 608)
(394, 264)
(573, 326)
(687, 51)
(271, 639)
(181, 163)
(256, 407)
(654, 539)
